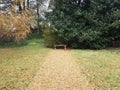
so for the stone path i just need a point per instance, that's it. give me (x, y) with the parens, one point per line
(59, 72)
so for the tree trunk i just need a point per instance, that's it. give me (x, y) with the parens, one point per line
(20, 7)
(38, 18)
(28, 4)
(24, 5)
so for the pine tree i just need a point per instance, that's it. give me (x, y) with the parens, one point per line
(86, 23)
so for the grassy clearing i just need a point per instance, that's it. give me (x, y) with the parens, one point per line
(18, 64)
(102, 67)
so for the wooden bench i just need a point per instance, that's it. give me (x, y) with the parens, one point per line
(61, 45)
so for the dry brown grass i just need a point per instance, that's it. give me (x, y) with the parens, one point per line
(60, 72)
(18, 65)
(102, 67)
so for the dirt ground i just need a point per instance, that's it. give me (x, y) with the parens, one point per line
(60, 72)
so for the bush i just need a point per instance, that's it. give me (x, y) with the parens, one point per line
(50, 38)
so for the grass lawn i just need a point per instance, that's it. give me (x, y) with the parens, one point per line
(102, 67)
(18, 64)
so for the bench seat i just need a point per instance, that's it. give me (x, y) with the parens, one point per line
(60, 45)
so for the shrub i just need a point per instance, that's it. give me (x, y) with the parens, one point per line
(50, 38)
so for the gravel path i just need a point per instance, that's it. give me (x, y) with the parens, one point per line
(59, 72)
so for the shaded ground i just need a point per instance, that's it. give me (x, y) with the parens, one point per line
(59, 72)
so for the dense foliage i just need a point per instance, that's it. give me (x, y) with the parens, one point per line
(15, 21)
(18, 18)
(86, 23)
(13, 28)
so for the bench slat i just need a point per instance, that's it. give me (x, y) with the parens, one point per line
(60, 45)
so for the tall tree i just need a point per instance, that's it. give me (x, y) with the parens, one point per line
(28, 3)
(41, 8)
(86, 23)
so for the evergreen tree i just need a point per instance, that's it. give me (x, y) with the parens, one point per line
(86, 23)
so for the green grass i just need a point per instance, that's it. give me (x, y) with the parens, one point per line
(102, 67)
(20, 62)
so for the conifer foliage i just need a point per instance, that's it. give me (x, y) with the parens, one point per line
(86, 23)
